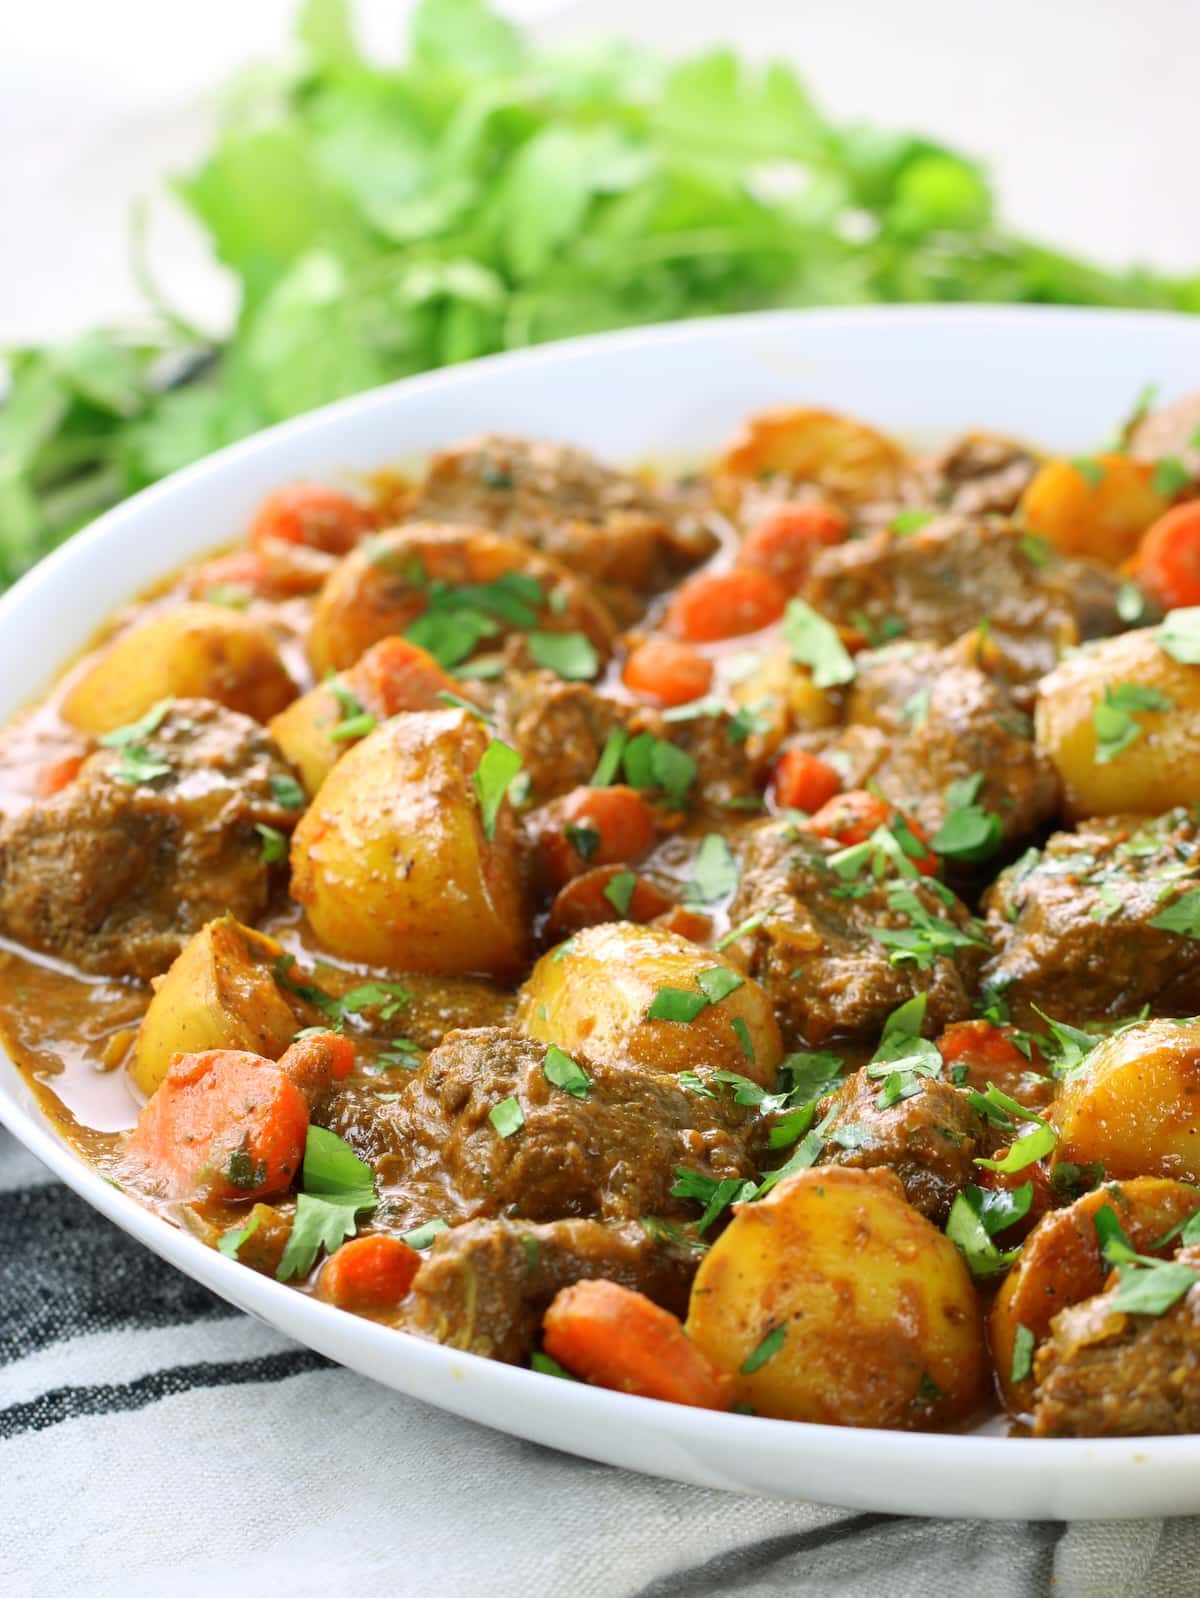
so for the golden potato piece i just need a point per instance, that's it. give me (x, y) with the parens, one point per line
(1061, 1264)
(853, 463)
(218, 994)
(192, 651)
(594, 992)
(385, 585)
(832, 1300)
(783, 698)
(391, 862)
(1099, 508)
(1134, 1104)
(1152, 774)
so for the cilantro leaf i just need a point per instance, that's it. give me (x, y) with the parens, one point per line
(619, 891)
(286, 791)
(1022, 1353)
(421, 1237)
(814, 642)
(571, 656)
(497, 767)
(1179, 635)
(507, 1116)
(331, 1165)
(1181, 916)
(1112, 717)
(560, 1069)
(676, 1004)
(274, 845)
(321, 1223)
(766, 1350)
(714, 871)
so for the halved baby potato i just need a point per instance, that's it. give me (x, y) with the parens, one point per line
(218, 993)
(832, 1300)
(853, 463)
(594, 993)
(391, 860)
(1061, 1264)
(192, 651)
(387, 584)
(1156, 771)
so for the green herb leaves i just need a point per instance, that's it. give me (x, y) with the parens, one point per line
(648, 762)
(507, 1116)
(714, 871)
(570, 655)
(1112, 717)
(1147, 1286)
(337, 1187)
(560, 1069)
(1181, 916)
(814, 643)
(968, 832)
(676, 1004)
(137, 765)
(766, 1350)
(976, 1216)
(1179, 635)
(497, 767)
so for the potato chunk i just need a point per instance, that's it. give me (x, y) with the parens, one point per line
(853, 463)
(1134, 1105)
(391, 862)
(483, 584)
(1155, 771)
(218, 994)
(593, 993)
(832, 1300)
(192, 651)
(1061, 1264)
(1096, 508)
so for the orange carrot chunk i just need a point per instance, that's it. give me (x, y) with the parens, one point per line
(785, 541)
(372, 1272)
(312, 514)
(224, 1124)
(613, 1337)
(852, 817)
(395, 675)
(715, 605)
(668, 672)
(59, 774)
(316, 1062)
(1167, 563)
(802, 781)
(594, 827)
(608, 893)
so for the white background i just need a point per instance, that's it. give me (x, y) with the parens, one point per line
(1086, 110)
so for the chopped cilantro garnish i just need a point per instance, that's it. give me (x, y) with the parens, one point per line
(1183, 916)
(331, 1165)
(976, 1215)
(926, 938)
(1170, 477)
(391, 997)
(767, 1349)
(354, 727)
(545, 1366)
(583, 839)
(652, 762)
(910, 521)
(676, 1004)
(693, 1083)
(569, 655)
(1147, 1286)
(968, 831)
(1026, 1150)
(507, 1116)
(457, 702)
(421, 1237)
(1130, 602)
(806, 1155)
(286, 791)
(497, 767)
(1112, 717)
(744, 928)
(716, 1196)
(718, 982)
(136, 732)
(814, 642)
(619, 891)
(1071, 1045)
(560, 1069)
(742, 1033)
(321, 1223)
(229, 1242)
(244, 1172)
(1037, 550)
(274, 843)
(1092, 471)
(1022, 1353)
(137, 766)
(315, 996)
(1179, 635)
(610, 759)
(714, 871)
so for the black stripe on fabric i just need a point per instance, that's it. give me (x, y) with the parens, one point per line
(71, 1403)
(65, 1271)
(726, 1572)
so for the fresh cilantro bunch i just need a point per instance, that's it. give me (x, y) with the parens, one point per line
(484, 194)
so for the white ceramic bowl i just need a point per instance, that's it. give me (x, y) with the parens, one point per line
(1063, 379)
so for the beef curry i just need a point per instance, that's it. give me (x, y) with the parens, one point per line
(733, 939)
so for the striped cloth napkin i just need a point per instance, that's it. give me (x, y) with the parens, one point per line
(154, 1441)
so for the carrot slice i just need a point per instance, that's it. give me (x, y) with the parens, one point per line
(316, 1062)
(312, 514)
(802, 781)
(224, 1124)
(786, 539)
(615, 1337)
(594, 827)
(988, 1054)
(395, 675)
(1167, 563)
(372, 1272)
(715, 605)
(668, 672)
(604, 894)
(59, 774)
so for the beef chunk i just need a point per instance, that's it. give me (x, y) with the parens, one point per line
(979, 474)
(1073, 929)
(942, 580)
(837, 955)
(1105, 1373)
(928, 1139)
(1173, 432)
(485, 1286)
(611, 1155)
(603, 524)
(920, 719)
(559, 729)
(114, 873)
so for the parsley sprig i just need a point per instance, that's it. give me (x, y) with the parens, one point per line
(1113, 717)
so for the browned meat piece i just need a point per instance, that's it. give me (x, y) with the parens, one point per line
(929, 1139)
(920, 719)
(1071, 923)
(837, 956)
(611, 1155)
(559, 730)
(1105, 1373)
(1171, 433)
(486, 1285)
(603, 524)
(979, 474)
(116, 871)
(942, 580)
